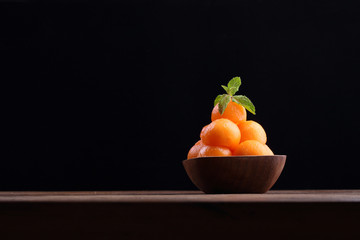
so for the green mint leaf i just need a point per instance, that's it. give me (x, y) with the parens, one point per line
(217, 99)
(224, 101)
(245, 102)
(233, 85)
(233, 90)
(225, 88)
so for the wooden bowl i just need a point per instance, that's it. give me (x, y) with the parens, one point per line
(235, 174)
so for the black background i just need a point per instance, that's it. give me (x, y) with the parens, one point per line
(111, 96)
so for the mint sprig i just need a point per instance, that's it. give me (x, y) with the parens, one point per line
(231, 88)
(224, 101)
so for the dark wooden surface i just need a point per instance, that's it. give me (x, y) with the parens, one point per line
(327, 214)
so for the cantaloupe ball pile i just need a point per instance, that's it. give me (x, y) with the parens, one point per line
(230, 134)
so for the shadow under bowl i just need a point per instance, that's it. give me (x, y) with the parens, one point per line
(235, 174)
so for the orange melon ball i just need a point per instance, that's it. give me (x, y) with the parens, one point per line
(194, 150)
(252, 147)
(214, 151)
(221, 132)
(233, 112)
(251, 130)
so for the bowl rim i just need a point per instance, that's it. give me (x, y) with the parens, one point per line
(240, 157)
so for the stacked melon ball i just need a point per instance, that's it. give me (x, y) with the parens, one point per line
(230, 133)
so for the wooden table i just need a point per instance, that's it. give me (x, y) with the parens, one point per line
(316, 214)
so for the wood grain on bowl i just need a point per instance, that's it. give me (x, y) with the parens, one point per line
(235, 174)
